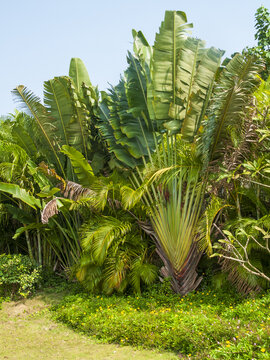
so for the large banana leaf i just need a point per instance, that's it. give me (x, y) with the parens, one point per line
(136, 87)
(79, 74)
(197, 68)
(168, 44)
(20, 194)
(83, 134)
(125, 121)
(141, 48)
(78, 127)
(58, 102)
(144, 53)
(183, 75)
(107, 133)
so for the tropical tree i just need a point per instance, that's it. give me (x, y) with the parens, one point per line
(179, 89)
(262, 35)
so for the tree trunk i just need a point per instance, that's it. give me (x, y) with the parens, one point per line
(187, 279)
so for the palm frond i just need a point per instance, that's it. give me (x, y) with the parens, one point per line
(142, 271)
(98, 237)
(50, 209)
(230, 101)
(75, 191)
(32, 106)
(24, 140)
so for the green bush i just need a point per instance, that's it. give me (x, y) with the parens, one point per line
(203, 325)
(18, 275)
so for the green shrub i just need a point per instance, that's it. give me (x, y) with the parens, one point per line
(18, 275)
(203, 325)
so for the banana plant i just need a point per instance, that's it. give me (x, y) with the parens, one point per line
(66, 118)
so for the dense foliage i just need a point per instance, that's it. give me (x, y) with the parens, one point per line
(262, 36)
(18, 275)
(122, 188)
(159, 184)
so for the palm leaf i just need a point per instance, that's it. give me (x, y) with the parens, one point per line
(24, 140)
(98, 238)
(230, 101)
(142, 271)
(206, 222)
(32, 106)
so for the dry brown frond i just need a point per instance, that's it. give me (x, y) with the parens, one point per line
(75, 191)
(49, 210)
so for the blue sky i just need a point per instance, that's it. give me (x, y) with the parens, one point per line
(38, 38)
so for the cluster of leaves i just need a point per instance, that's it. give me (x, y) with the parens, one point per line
(262, 36)
(243, 183)
(201, 325)
(18, 275)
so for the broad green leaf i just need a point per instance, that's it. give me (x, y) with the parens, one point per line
(79, 74)
(80, 165)
(48, 192)
(168, 44)
(20, 194)
(231, 98)
(183, 76)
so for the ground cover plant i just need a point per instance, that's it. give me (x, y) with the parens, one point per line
(204, 325)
